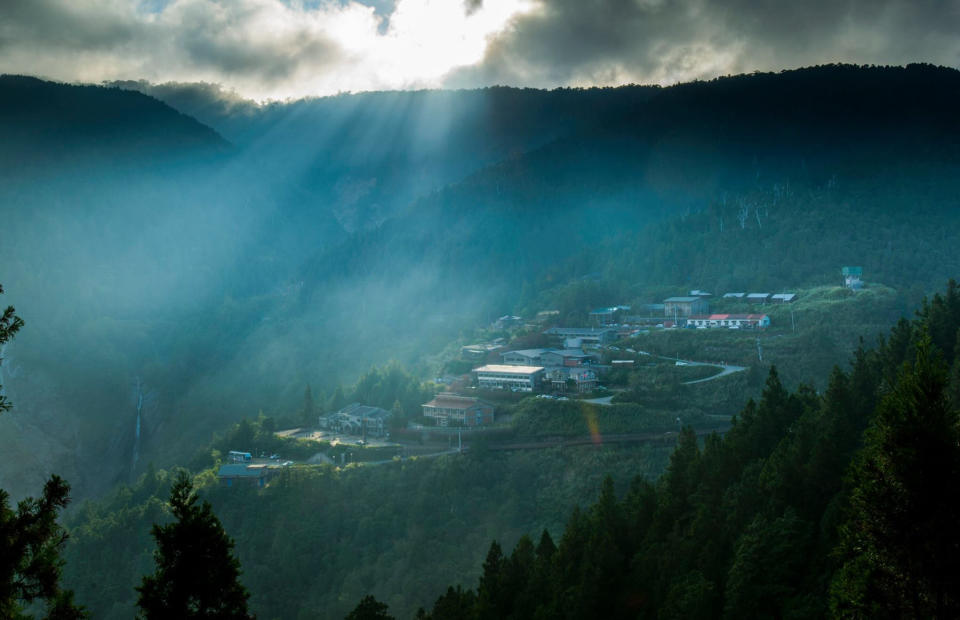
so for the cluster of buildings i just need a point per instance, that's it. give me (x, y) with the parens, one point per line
(560, 369)
(446, 409)
(536, 378)
(694, 310)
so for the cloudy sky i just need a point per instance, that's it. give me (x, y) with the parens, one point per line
(278, 49)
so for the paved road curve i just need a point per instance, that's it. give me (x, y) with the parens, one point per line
(728, 369)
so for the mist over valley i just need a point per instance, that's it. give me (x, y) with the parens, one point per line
(200, 274)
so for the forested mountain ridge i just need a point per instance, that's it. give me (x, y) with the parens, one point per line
(373, 153)
(51, 125)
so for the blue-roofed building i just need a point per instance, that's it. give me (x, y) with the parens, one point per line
(852, 277)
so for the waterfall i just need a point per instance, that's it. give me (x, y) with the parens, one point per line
(136, 435)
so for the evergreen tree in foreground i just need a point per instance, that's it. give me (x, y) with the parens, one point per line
(30, 564)
(10, 324)
(30, 537)
(900, 545)
(197, 574)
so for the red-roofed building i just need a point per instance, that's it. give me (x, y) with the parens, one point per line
(449, 409)
(734, 321)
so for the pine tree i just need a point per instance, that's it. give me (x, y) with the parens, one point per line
(30, 544)
(901, 553)
(10, 324)
(455, 604)
(30, 537)
(309, 413)
(369, 608)
(197, 574)
(492, 593)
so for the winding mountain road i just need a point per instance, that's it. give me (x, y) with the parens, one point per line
(728, 369)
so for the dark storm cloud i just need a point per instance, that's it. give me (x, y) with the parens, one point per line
(582, 42)
(248, 43)
(46, 23)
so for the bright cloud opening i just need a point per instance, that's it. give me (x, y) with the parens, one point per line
(264, 49)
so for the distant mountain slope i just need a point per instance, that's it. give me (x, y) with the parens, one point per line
(371, 154)
(865, 136)
(48, 123)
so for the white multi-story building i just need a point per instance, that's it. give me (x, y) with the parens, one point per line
(503, 377)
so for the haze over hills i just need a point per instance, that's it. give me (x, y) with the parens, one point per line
(307, 241)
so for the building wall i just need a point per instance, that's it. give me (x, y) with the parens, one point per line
(555, 359)
(520, 360)
(684, 308)
(469, 415)
(743, 323)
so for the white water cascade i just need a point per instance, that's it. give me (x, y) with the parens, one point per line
(136, 436)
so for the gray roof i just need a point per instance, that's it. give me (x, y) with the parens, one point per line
(734, 294)
(527, 352)
(572, 331)
(364, 411)
(569, 352)
(680, 299)
(759, 295)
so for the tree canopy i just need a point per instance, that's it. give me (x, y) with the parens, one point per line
(197, 575)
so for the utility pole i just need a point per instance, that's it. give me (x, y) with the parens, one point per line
(759, 350)
(793, 324)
